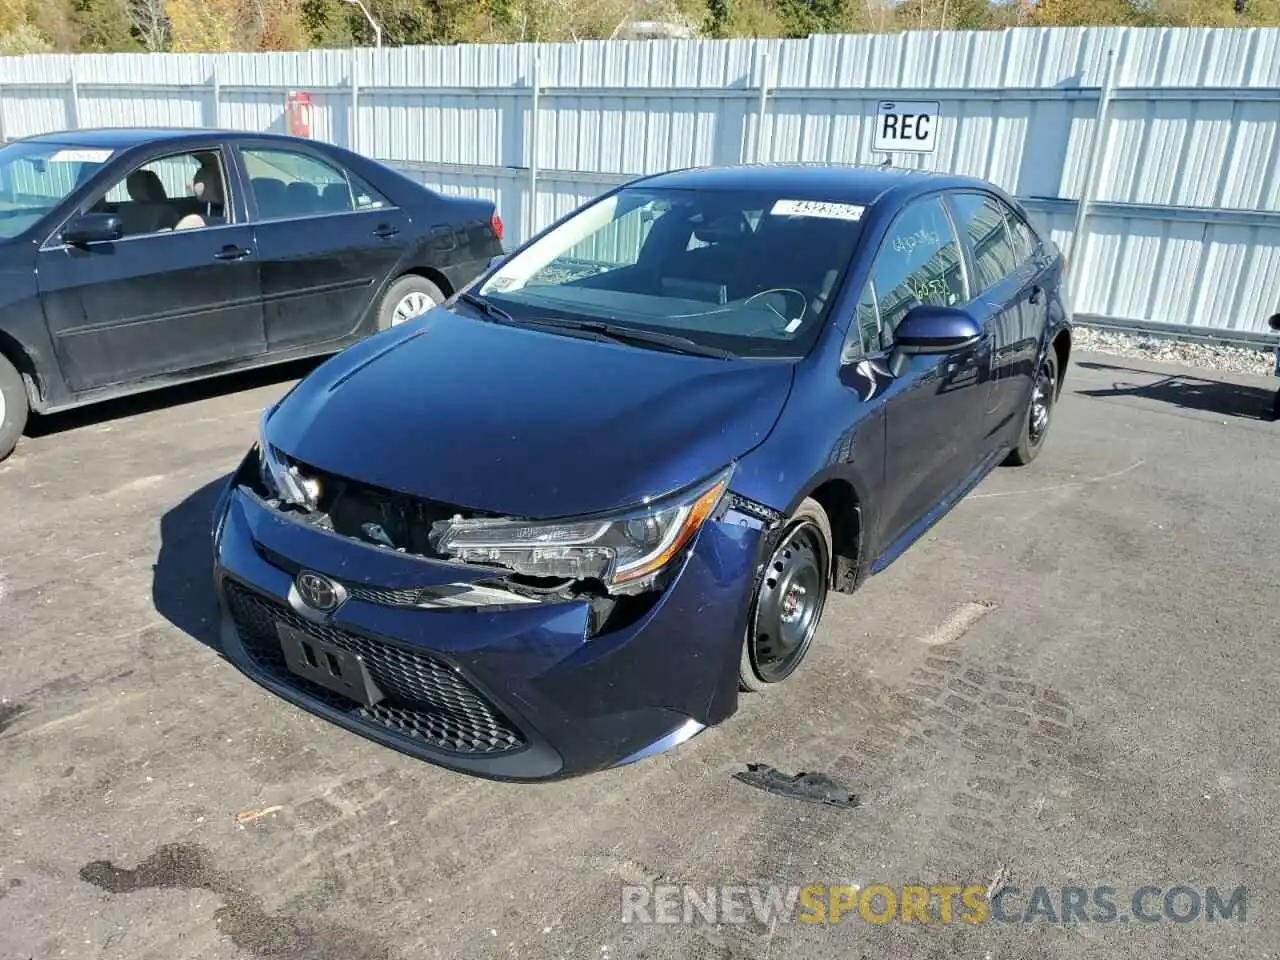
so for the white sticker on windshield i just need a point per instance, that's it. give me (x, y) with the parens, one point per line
(817, 208)
(81, 156)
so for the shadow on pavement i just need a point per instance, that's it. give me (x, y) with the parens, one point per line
(175, 396)
(182, 577)
(1194, 393)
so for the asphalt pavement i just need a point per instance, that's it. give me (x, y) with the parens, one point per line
(1071, 682)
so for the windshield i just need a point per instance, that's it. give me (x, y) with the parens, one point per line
(36, 177)
(746, 272)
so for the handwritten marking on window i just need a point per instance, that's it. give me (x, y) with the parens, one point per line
(929, 289)
(908, 243)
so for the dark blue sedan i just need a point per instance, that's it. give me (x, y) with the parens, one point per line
(132, 259)
(559, 522)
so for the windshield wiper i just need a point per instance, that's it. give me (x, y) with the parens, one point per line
(490, 310)
(619, 333)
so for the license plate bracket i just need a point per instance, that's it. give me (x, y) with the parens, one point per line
(328, 665)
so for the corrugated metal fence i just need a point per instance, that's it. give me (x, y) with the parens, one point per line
(1168, 140)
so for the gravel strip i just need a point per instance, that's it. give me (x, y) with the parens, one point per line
(1145, 346)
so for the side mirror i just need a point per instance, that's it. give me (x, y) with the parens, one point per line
(93, 228)
(927, 330)
(1274, 322)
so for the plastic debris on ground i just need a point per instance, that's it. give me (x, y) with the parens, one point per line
(809, 787)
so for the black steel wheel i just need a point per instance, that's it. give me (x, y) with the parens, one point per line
(790, 595)
(1039, 415)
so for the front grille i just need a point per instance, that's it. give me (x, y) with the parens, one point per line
(425, 699)
(385, 596)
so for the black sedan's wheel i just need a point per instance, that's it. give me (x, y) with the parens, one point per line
(13, 407)
(790, 595)
(1039, 416)
(409, 297)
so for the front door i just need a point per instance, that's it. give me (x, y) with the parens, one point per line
(161, 300)
(327, 242)
(935, 407)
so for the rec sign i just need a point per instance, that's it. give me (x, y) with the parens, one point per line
(906, 126)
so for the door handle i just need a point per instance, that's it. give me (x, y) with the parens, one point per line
(385, 231)
(232, 252)
(1036, 293)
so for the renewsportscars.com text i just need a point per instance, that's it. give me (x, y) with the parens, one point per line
(933, 904)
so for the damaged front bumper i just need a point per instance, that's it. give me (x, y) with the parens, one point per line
(468, 670)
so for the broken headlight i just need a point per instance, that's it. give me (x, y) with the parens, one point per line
(283, 480)
(626, 549)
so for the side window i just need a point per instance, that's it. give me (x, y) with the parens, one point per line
(185, 191)
(982, 219)
(918, 263)
(287, 184)
(1025, 240)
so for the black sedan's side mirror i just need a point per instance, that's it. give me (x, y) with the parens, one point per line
(93, 228)
(1274, 322)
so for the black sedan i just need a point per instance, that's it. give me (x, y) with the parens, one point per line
(132, 259)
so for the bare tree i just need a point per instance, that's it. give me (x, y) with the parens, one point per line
(150, 22)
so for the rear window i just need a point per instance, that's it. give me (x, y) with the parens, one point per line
(743, 271)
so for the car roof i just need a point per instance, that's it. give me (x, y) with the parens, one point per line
(123, 138)
(833, 182)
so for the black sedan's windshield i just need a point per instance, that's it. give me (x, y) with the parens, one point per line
(37, 176)
(745, 272)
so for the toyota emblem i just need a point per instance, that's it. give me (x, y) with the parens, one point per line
(319, 592)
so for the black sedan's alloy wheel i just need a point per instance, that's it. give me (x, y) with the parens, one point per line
(789, 600)
(13, 407)
(408, 298)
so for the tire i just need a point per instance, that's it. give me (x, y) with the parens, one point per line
(13, 408)
(794, 584)
(408, 293)
(1044, 398)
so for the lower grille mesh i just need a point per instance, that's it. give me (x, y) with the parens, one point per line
(425, 698)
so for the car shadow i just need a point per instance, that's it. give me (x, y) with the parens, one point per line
(165, 397)
(182, 576)
(1193, 393)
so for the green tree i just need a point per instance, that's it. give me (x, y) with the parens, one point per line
(743, 18)
(18, 31)
(104, 26)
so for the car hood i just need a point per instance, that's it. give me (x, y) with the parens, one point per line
(505, 420)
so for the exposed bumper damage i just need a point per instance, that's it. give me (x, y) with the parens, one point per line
(411, 526)
(573, 674)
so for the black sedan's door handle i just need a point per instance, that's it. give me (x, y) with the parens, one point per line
(232, 252)
(1036, 294)
(385, 231)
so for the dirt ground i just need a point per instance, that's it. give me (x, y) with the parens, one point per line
(1071, 682)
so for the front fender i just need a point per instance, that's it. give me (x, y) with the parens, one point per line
(24, 337)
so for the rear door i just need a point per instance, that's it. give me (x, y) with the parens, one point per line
(158, 301)
(1003, 297)
(935, 409)
(1039, 281)
(326, 239)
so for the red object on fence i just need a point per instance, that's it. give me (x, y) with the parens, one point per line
(297, 112)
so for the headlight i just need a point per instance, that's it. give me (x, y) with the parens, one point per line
(625, 549)
(281, 480)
